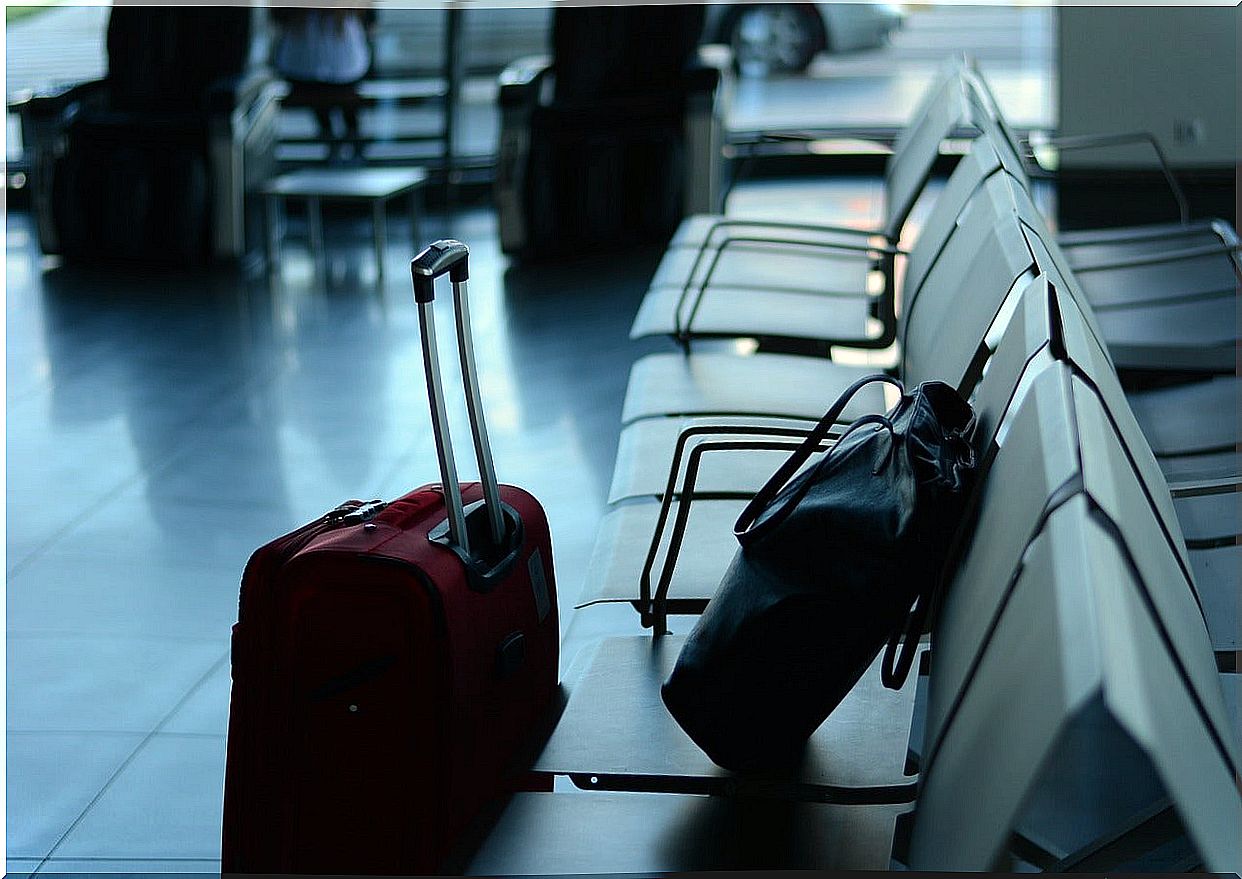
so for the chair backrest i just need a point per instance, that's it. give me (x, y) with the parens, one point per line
(1073, 682)
(1048, 432)
(915, 155)
(1121, 503)
(1080, 343)
(968, 293)
(1025, 347)
(953, 67)
(1081, 347)
(1025, 477)
(992, 121)
(979, 163)
(1057, 450)
(163, 59)
(1076, 667)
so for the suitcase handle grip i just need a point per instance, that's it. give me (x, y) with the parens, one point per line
(445, 255)
(448, 255)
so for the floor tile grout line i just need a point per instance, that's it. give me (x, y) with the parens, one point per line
(216, 567)
(108, 732)
(107, 785)
(224, 394)
(135, 860)
(97, 635)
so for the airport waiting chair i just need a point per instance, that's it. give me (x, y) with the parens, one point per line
(1149, 335)
(1203, 509)
(828, 316)
(971, 292)
(1123, 599)
(1166, 298)
(1088, 247)
(1191, 337)
(987, 256)
(1189, 425)
(1163, 307)
(599, 732)
(1096, 691)
(785, 385)
(162, 159)
(1202, 447)
(841, 280)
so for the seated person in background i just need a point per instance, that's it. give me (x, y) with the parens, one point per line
(323, 53)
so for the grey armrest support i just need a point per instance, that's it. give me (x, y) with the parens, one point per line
(655, 606)
(682, 326)
(1200, 487)
(1095, 141)
(768, 437)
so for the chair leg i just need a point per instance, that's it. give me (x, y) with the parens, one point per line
(416, 204)
(272, 239)
(314, 220)
(379, 209)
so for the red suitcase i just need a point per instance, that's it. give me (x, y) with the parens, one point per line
(391, 661)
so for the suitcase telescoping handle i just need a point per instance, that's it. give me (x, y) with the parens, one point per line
(453, 257)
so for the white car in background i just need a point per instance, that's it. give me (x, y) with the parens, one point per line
(786, 37)
(766, 38)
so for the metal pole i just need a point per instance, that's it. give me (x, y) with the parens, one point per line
(452, 94)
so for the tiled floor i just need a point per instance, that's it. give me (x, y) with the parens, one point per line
(161, 426)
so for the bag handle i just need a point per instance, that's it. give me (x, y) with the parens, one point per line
(898, 660)
(903, 642)
(745, 522)
(452, 257)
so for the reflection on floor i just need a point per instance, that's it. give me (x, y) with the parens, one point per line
(162, 426)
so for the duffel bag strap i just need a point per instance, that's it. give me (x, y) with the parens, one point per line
(896, 665)
(898, 660)
(800, 455)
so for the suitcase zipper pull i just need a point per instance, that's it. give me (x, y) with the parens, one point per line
(348, 514)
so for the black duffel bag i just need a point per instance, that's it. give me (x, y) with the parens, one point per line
(834, 563)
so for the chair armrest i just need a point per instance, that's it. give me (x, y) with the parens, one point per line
(1096, 141)
(709, 69)
(682, 326)
(1166, 256)
(654, 610)
(1200, 487)
(521, 81)
(864, 235)
(717, 56)
(232, 91)
(42, 105)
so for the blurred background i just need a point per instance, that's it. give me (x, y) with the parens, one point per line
(210, 338)
(833, 66)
